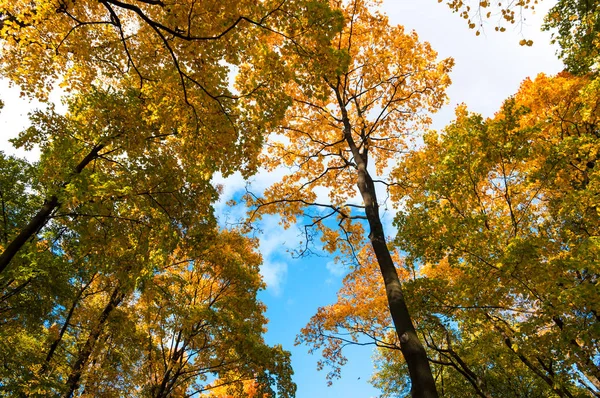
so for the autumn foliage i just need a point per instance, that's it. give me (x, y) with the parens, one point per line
(499, 227)
(116, 278)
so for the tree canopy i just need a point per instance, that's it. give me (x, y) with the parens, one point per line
(364, 113)
(116, 278)
(131, 286)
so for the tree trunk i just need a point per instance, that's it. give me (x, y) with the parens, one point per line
(65, 326)
(42, 216)
(423, 384)
(28, 231)
(84, 355)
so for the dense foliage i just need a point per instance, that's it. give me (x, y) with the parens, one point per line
(116, 279)
(130, 286)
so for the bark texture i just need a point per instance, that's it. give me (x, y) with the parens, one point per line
(423, 383)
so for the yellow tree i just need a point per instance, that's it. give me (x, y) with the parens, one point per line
(179, 56)
(378, 85)
(201, 319)
(193, 320)
(508, 208)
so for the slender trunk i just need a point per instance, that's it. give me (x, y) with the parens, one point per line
(423, 383)
(85, 353)
(477, 382)
(15, 290)
(463, 372)
(65, 326)
(548, 376)
(169, 380)
(160, 392)
(28, 231)
(168, 383)
(4, 219)
(42, 216)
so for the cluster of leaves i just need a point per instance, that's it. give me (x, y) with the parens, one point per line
(179, 55)
(576, 28)
(131, 286)
(504, 12)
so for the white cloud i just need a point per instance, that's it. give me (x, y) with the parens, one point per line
(336, 268)
(490, 67)
(274, 244)
(274, 274)
(274, 238)
(14, 117)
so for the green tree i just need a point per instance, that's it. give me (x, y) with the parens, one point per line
(179, 57)
(576, 29)
(134, 222)
(506, 208)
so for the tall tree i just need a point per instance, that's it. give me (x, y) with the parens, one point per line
(180, 58)
(133, 223)
(499, 224)
(343, 136)
(509, 205)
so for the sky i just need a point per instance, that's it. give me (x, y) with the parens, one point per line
(488, 69)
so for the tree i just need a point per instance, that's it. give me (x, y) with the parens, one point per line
(363, 110)
(202, 318)
(466, 361)
(131, 228)
(505, 206)
(576, 28)
(499, 225)
(178, 57)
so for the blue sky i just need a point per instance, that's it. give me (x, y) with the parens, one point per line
(489, 68)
